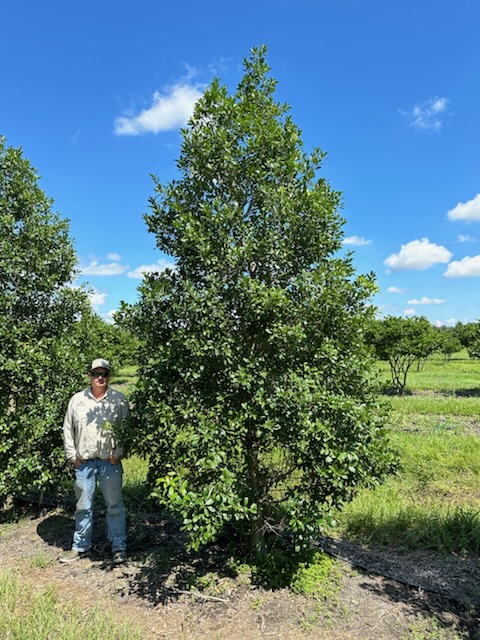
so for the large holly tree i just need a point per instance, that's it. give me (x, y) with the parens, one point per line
(256, 402)
(43, 357)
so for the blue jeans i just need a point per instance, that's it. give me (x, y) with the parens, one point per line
(109, 477)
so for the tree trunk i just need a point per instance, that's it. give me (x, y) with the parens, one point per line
(257, 530)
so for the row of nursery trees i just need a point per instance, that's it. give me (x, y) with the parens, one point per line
(258, 404)
(405, 341)
(48, 331)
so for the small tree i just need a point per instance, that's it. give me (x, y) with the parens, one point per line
(257, 402)
(449, 342)
(41, 356)
(469, 336)
(401, 342)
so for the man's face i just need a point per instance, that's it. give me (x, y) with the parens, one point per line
(99, 378)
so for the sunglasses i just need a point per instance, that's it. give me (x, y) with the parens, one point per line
(99, 374)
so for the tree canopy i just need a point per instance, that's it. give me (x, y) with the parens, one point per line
(42, 356)
(401, 342)
(469, 337)
(256, 404)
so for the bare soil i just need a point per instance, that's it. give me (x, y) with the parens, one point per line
(384, 594)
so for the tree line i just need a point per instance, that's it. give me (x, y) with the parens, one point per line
(258, 406)
(404, 341)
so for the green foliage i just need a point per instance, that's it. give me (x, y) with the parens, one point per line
(42, 355)
(114, 342)
(318, 577)
(111, 341)
(469, 336)
(257, 405)
(448, 341)
(401, 342)
(311, 573)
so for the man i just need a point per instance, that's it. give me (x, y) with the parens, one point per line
(92, 419)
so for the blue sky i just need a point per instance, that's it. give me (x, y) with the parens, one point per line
(95, 93)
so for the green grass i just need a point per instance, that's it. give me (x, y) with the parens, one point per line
(392, 519)
(460, 374)
(124, 379)
(135, 489)
(30, 614)
(437, 405)
(41, 561)
(450, 461)
(433, 501)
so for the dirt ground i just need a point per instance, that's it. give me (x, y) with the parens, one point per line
(384, 595)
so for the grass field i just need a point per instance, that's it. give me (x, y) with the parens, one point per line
(432, 502)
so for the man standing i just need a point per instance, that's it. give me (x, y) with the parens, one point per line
(92, 419)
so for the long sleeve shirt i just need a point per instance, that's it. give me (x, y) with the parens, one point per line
(89, 425)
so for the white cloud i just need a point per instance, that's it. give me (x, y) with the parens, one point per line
(409, 312)
(468, 211)
(396, 290)
(451, 322)
(114, 257)
(425, 300)
(158, 267)
(220, 66)
(427, 116)
(108, 317)
(465, 238)
(464, 268)
(385, 309)
(170, 110)
(97, 298)
(417, 255)
(357, 241)
(110, 269)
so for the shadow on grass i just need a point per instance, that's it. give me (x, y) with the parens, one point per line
(467, 393)
(389, 390)
(447, 392)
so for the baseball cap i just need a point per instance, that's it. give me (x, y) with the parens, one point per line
(100, 363)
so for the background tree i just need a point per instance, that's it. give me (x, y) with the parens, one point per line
(469, 335)
(256, 403)
(111, 341)
(42, 357)
(401, 342)
(449, 342)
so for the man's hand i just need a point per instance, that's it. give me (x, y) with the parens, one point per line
(114, 460)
